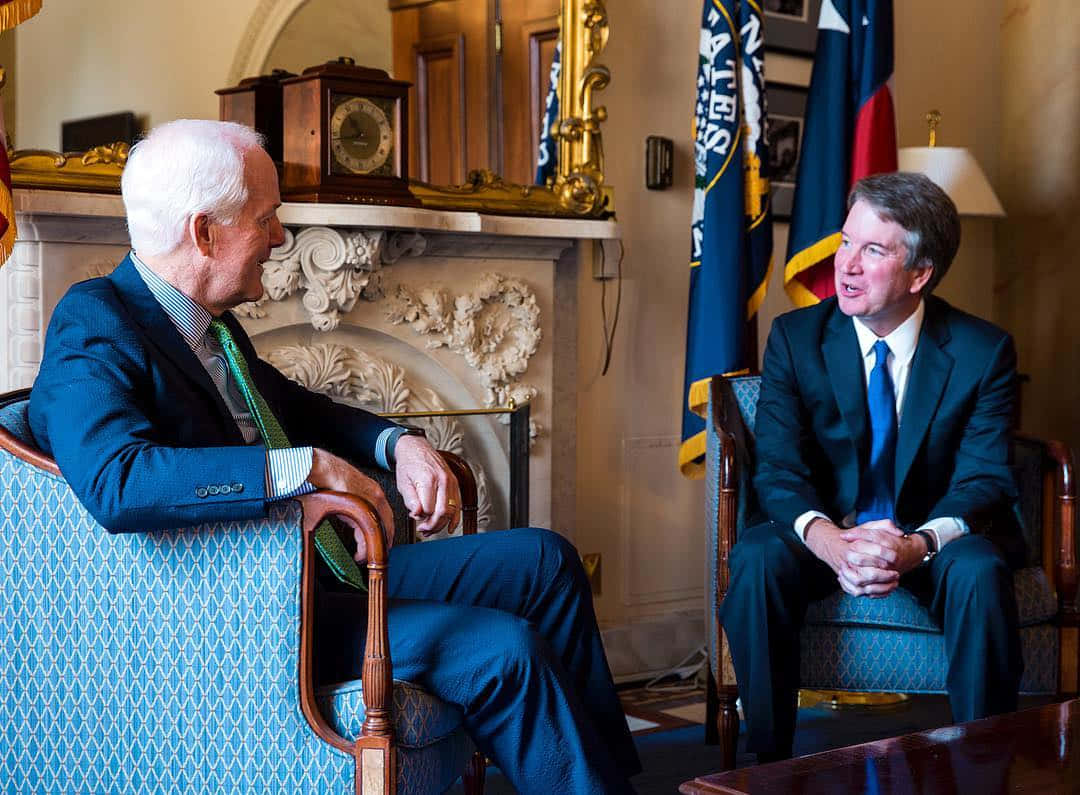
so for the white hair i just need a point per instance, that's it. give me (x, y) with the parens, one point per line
(181, 169)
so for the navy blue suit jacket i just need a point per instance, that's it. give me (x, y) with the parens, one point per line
(952, 453)
(140, 431)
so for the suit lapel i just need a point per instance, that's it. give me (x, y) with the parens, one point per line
(843, 362)
(930, 370)
(147, 312)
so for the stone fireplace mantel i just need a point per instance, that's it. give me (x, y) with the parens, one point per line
(396, 309)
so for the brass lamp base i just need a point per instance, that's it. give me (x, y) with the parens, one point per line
(844, 700)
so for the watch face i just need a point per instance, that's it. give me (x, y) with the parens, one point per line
(362, 136)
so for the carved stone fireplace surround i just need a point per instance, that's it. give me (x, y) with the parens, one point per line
(395, 309)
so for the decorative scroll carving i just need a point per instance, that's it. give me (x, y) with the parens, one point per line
(358, 378)
(334, 268)
(495, 327)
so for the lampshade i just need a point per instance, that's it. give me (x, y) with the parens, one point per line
(956, 171)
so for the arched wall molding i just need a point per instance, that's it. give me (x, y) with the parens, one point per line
(267, 21)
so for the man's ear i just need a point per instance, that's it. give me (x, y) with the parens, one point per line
(201, 234)
(923, 273)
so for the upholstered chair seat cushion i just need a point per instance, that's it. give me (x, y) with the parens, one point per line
(901, 610)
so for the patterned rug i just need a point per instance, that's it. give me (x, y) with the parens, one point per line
(655, 709)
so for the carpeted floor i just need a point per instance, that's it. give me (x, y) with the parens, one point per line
(669, 733)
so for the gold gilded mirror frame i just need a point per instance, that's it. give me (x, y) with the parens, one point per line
(578, 190)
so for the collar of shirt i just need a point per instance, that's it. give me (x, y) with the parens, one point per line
(190, 319)
(902, 343)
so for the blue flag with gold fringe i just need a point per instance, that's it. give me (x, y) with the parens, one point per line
(547, 158)
(731, 231)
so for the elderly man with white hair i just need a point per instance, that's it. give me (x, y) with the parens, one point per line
(160, 414)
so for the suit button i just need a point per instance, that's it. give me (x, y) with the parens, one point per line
(225, 488)
(237, 487)
(213, 491)
(200, 492)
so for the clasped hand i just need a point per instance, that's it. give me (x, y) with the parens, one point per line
(427, 486)
(869, 558)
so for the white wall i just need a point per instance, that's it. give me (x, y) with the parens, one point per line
(160, 60)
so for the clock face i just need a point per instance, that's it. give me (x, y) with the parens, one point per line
(362, 136)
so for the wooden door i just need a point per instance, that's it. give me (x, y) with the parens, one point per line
(445, 48)
(530, 31)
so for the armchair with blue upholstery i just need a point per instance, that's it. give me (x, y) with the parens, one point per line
(890, 644)
(181, 661)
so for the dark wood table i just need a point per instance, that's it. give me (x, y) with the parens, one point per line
(1033, 751)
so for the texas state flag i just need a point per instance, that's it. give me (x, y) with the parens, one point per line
(850, 133)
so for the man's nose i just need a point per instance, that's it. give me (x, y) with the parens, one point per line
(277, 233)
(848, 261)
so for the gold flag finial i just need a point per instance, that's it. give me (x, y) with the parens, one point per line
(933, 119)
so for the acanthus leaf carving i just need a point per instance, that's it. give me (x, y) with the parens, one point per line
(373, 383)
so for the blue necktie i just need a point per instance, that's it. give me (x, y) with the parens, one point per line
(876, 495)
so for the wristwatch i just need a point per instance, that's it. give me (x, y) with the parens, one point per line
(391, 443)
(931, 544)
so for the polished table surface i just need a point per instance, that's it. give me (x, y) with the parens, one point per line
(1033, 751)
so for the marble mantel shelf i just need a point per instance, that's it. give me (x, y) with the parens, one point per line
(72, 203)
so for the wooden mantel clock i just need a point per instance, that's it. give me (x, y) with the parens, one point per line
(345, 136)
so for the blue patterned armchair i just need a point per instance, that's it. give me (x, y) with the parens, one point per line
(890, 644)
(180, 661)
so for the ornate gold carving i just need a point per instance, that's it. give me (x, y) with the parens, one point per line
(97, 170)
(580, 182)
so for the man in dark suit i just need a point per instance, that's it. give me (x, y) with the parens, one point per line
(882, 438)
(160, 414)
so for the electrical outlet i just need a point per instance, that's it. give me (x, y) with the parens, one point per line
(591, 562)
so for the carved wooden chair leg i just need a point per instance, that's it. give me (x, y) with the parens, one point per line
(727, 725)
(712, 709)
(472, 779)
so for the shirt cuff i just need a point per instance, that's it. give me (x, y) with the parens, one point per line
(384, 446)
(946, 529)
(287, 469)
(803, 521)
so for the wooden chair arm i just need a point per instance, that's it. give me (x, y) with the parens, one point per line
(377, 673)
(728, 486)
(467, 486)
(1063, 518)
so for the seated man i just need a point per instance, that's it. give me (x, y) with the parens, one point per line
(149, 390)
(882, 435)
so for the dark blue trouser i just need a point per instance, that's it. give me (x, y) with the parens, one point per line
(501, 624)
(967, 588)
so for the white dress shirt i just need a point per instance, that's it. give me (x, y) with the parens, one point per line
(902, 342)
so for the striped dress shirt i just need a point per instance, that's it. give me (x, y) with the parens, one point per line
(287, 468)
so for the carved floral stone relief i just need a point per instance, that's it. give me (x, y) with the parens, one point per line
(494, 325)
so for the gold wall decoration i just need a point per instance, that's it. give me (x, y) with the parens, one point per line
(96, 170)
(578, 190)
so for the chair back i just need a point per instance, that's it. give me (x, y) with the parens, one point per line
(147, 662)
(1032, 464)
